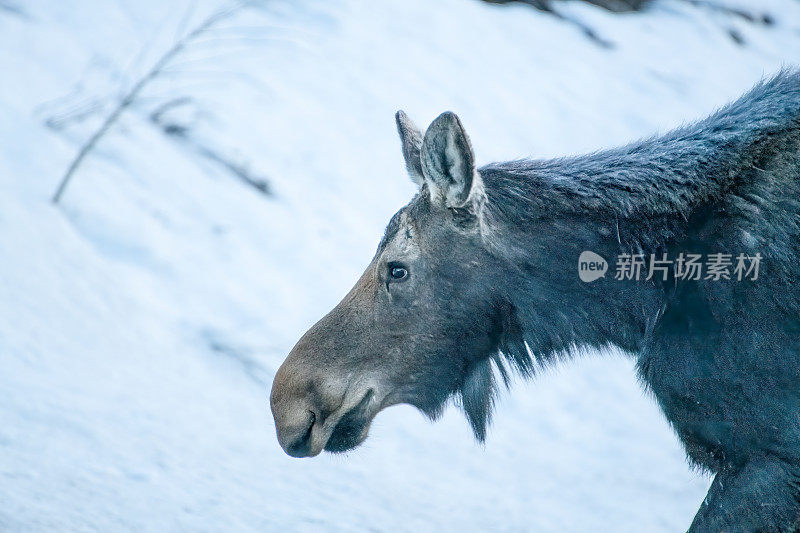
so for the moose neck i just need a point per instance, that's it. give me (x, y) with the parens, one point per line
(626, 201)
(556, 310)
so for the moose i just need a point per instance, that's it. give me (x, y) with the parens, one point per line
(477, 277)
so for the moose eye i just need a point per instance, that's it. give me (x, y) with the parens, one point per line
(397, 271)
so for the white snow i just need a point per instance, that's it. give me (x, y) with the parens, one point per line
(141, 321)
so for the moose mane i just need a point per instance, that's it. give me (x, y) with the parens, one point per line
(670, 174)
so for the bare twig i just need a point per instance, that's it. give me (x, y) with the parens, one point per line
(78, 112)
(617, 6)
(132, 94)
(546, 6)
(182, 133)
(755, 18)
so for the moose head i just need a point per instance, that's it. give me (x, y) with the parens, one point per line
(421, 324)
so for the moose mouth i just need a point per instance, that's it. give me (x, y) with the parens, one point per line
(351, 430)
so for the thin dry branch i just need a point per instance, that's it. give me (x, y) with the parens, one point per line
(133, 93)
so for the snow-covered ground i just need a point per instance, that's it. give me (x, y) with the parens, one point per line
(141, 321)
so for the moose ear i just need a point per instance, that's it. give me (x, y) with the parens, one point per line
(448, 162)
(411, 139)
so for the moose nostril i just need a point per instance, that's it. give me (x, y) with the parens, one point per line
(301, 445)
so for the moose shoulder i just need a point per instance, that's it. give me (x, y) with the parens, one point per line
(478, 277)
